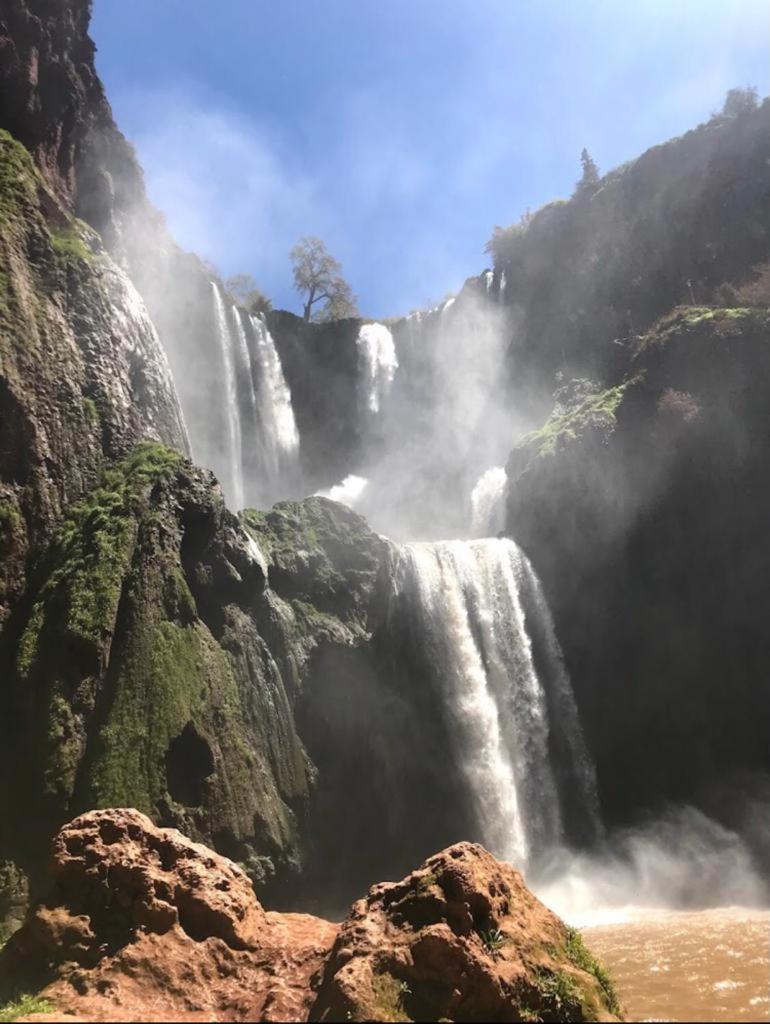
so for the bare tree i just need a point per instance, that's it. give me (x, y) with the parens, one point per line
(318, 277)
(244, 288)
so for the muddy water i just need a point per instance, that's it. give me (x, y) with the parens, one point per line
(709, 965)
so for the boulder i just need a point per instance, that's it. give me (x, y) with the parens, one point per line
(461, 939)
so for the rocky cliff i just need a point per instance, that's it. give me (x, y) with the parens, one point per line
(645, 506)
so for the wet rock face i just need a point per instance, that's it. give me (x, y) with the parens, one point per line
(82, 374)
(140, 923)
(645, 511)
(138, 672)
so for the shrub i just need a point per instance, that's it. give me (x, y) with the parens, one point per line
(678, 405)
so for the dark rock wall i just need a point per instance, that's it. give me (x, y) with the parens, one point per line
(648, 526)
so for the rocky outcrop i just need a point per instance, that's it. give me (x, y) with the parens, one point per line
(321, 365)
(644, 506)
(143, 924)
(140, 923)
(461, 938)
(138, 672)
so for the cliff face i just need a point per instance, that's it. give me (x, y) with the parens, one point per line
(53, 102)
(671, 227)
(82, 374)
(644, 507)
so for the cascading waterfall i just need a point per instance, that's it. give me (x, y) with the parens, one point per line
(234, 437)
(245, 366)
(279, 435)
(378, 362)
(488, 503)
(470, 602)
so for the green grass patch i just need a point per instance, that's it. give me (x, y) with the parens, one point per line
(23, 1006)
(579, 955)
(388, 998)
(69, 245)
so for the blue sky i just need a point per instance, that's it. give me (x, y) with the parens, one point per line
(401, 131)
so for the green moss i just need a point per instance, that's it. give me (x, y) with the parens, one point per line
(578, 954)
(319, 553)
(595, 411)
(91, 410)
(90, 555)
(24, 1006)
(69, 245)
(163, 683)
(10, 520)
(19, 178)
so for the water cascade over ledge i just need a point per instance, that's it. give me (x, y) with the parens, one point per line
(498, 674)
(234, 437)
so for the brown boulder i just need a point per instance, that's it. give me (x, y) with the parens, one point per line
(462, 939)
(144, 924)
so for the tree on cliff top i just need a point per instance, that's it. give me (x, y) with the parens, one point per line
(590, 178)
(318, 278)
(740, 101)
(244, 288)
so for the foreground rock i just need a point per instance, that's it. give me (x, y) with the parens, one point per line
(461, 938)
(143, 924)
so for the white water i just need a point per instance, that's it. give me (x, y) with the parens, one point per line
(245, 363)
(468, 598)
(488, 503)
(234, 440)
(378, 362)
(348, 492)
(280, 438)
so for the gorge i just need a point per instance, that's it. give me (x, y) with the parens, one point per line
(331, 597)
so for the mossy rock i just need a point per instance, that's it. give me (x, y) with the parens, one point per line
(129, 694)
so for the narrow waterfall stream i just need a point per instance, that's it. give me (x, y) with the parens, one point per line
(279, 438)
(234, 437)
(488, 503)
(378, 361)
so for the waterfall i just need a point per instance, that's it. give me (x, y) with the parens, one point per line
(378, 362)
(470, 603)
(234, 441)
(488, 503)
(245, 363)
(280, 439)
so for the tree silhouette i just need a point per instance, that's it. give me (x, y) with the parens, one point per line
(318, 277)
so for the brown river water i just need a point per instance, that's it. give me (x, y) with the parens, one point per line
(706, 965)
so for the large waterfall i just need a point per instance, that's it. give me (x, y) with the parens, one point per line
(478, 606)
(262, 443)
